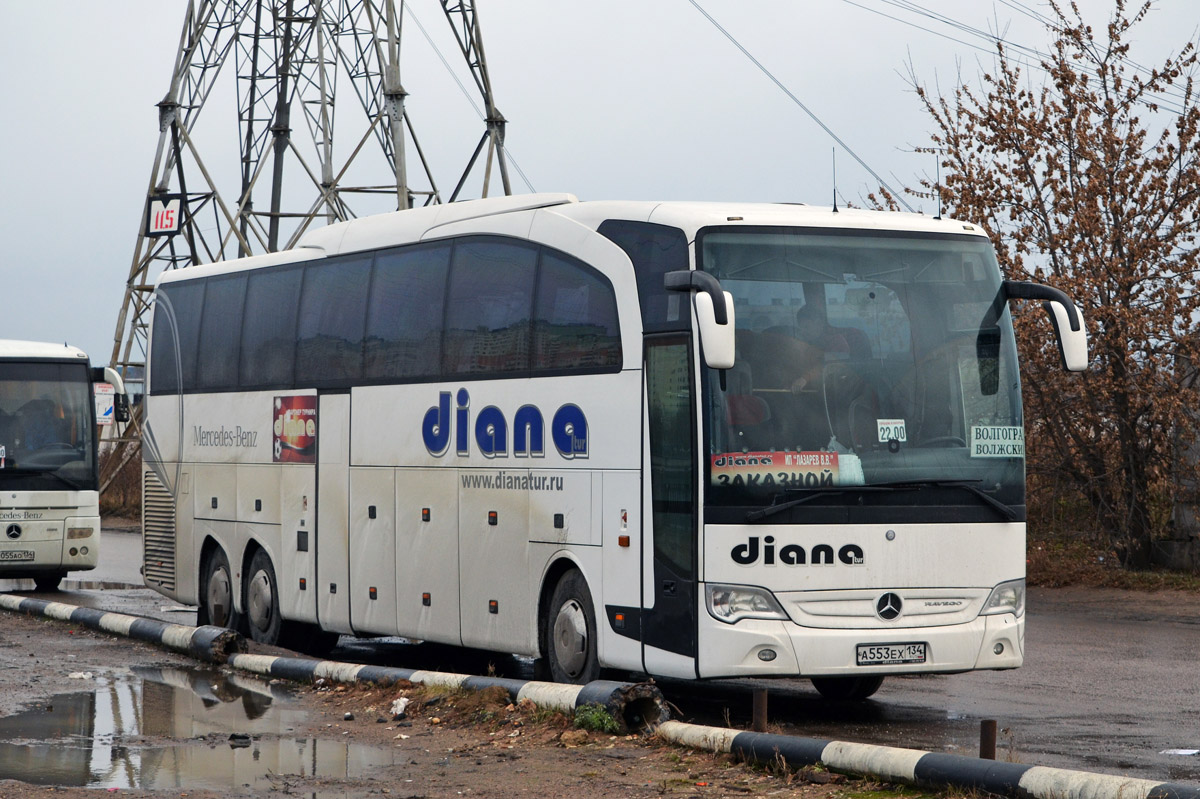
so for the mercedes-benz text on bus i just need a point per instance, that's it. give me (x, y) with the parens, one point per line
(51, 404)
(692, 440)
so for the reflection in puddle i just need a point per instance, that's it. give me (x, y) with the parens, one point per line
(239, 731)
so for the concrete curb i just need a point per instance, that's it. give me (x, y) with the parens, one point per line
(925, 769)
(635, 706)
(207, 643)
(638, 706)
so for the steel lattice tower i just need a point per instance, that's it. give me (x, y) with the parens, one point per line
(292, 60)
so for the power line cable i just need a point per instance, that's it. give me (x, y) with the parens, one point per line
(802, 106)
(1166, 99)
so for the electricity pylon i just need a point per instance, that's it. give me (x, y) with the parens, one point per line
(289, 61)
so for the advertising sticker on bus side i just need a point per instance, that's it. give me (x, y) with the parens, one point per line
(294, 430)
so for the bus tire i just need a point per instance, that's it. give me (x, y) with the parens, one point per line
(851, 689)
(217, 591)
(262, 600)
(48, 582)
(569, 632)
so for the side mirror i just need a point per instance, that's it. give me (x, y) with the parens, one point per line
(717, 341)
(109, 375)
(714, 314)
(1066, 317)
(1072, 342)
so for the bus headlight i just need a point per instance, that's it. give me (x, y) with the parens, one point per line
(1006, 598)
(78, 532)
(732, 603)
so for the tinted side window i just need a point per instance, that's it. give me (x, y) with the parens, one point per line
(176, 322)
(575, 322)
(488, 307)
(654, 250)
(333, 310)
(404, 316)
(269, 328)
(221, 332)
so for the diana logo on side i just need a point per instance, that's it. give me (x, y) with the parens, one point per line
(568, 430)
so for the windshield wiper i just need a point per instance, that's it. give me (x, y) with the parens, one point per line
(67, 481)
(772, 509)
(968, 485)
(906, 485)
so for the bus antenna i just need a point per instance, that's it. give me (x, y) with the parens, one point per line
(833, 150)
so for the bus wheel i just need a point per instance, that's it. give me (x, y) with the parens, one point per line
(847, 688)
(48, 582)
(262, 600)
(217, 592)
(570, 632)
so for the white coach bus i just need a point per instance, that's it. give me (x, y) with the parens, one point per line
(51, 403)
(690, 440)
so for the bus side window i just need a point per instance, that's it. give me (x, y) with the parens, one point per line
(176, 317)
(575, 323)
(404, 318)
(269, 328)
(654, 251)
(221, 333)
(489, 306)
(333, 310)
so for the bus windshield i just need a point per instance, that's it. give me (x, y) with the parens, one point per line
(46, 427)
(868, 363)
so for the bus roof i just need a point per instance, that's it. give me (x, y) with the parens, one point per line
(39, 350)
(422, 224)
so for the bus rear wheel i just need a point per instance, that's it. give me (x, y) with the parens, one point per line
(847, 688)
(569, 632)
(262, 600)
(217, 590)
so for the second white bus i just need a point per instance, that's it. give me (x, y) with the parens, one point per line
(51, 403)
(689, 440)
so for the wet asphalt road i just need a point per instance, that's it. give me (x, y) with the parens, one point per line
(1110, 680)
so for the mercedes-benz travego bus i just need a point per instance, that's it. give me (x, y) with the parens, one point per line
(51, 405)
(691, 440)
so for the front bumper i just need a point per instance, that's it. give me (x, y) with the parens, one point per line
(738, 650)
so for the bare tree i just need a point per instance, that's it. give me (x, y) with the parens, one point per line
(1088, 178)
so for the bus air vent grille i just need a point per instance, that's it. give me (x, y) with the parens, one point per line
(158, 532)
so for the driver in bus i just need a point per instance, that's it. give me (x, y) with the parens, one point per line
(820, 339)
(40, 422)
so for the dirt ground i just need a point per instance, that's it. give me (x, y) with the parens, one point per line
(448, 744)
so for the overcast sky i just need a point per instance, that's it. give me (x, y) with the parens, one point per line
(621, 99)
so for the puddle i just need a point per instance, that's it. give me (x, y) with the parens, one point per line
(227, 731)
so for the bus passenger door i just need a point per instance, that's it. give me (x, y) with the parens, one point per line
(669, 597)
(333, 513)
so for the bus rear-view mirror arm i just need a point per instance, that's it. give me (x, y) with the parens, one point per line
(1066, 317)
(714, 314)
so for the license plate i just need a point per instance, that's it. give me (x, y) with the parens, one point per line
(16, 554)
(889, 654)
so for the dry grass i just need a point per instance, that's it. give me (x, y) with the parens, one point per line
(1062, 561)
(123, 496)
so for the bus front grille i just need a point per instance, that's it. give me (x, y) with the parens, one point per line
(158, 532)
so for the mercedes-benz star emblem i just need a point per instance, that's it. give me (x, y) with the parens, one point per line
(888, 606)
(13, 531)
